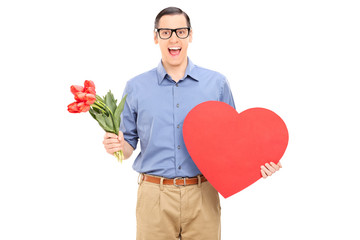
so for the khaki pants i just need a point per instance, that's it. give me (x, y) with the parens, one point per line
(168, 212)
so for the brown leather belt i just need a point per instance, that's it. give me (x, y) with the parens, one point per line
(179, 181)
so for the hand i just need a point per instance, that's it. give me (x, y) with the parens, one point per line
(269, 169)
(113, 143)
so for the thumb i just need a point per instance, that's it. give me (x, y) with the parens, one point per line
(120, 135)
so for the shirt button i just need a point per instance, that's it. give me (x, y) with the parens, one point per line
(177, 105)
(178, 126)
(177, 84)
(178, 147)
(179, 167)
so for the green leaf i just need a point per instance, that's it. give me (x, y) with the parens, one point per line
(92, 113)
(109, 124)
(103, 121)
(110, 101)
(118, 112)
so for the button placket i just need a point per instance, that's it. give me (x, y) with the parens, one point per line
(177, 126)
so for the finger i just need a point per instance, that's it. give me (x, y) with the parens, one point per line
(120, 135)
(279, 164)
(113, 150)
(108, 141)
(268, 173)
(112, 146)
(263, 173)
(110, 135)
(112, 143)
(270, 167)
(275, 166)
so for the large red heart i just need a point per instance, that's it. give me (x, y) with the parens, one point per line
(229, 147)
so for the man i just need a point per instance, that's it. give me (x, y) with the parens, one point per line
(157, 103)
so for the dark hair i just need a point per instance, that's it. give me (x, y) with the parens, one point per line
(171, 11)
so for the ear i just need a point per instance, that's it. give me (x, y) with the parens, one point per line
(156, 40)
(190, 35)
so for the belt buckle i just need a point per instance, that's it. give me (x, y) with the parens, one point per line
(178, 178)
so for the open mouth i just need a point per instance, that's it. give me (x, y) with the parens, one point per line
(174, 51)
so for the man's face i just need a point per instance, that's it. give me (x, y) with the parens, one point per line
(174, 49)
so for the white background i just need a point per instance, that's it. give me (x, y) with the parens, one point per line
(300, 59)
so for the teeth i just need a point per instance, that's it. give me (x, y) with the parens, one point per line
(175, 48)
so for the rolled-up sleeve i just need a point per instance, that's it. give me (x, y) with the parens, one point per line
(128, 118)
(226, 95)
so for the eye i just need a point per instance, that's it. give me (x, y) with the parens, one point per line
(182, 32)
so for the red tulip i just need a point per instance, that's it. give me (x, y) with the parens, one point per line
(73, 107)
(78, 107)
(76, 88)
(80, 96)
(90, 90)
(83, 107)
(90, 98)
(89, 87)
(84, 96)
(89, 83)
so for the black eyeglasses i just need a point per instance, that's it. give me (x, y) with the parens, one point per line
(166, 33)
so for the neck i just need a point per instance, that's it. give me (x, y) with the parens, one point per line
(176, 71)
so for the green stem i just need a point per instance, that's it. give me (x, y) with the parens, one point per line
(97, 107)
(119, 156)
(99, 98)
(103, 105)
(96, 103)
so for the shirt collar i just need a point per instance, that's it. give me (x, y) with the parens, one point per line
(189, 72)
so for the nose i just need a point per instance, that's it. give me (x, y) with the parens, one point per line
(173, 38)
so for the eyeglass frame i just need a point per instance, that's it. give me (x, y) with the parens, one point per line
(173, 30)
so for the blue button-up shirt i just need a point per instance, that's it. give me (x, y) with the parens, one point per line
(155, 109)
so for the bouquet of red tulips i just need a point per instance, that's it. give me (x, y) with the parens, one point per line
(104, 110)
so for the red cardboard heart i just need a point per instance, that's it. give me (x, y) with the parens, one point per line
(229, 147)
